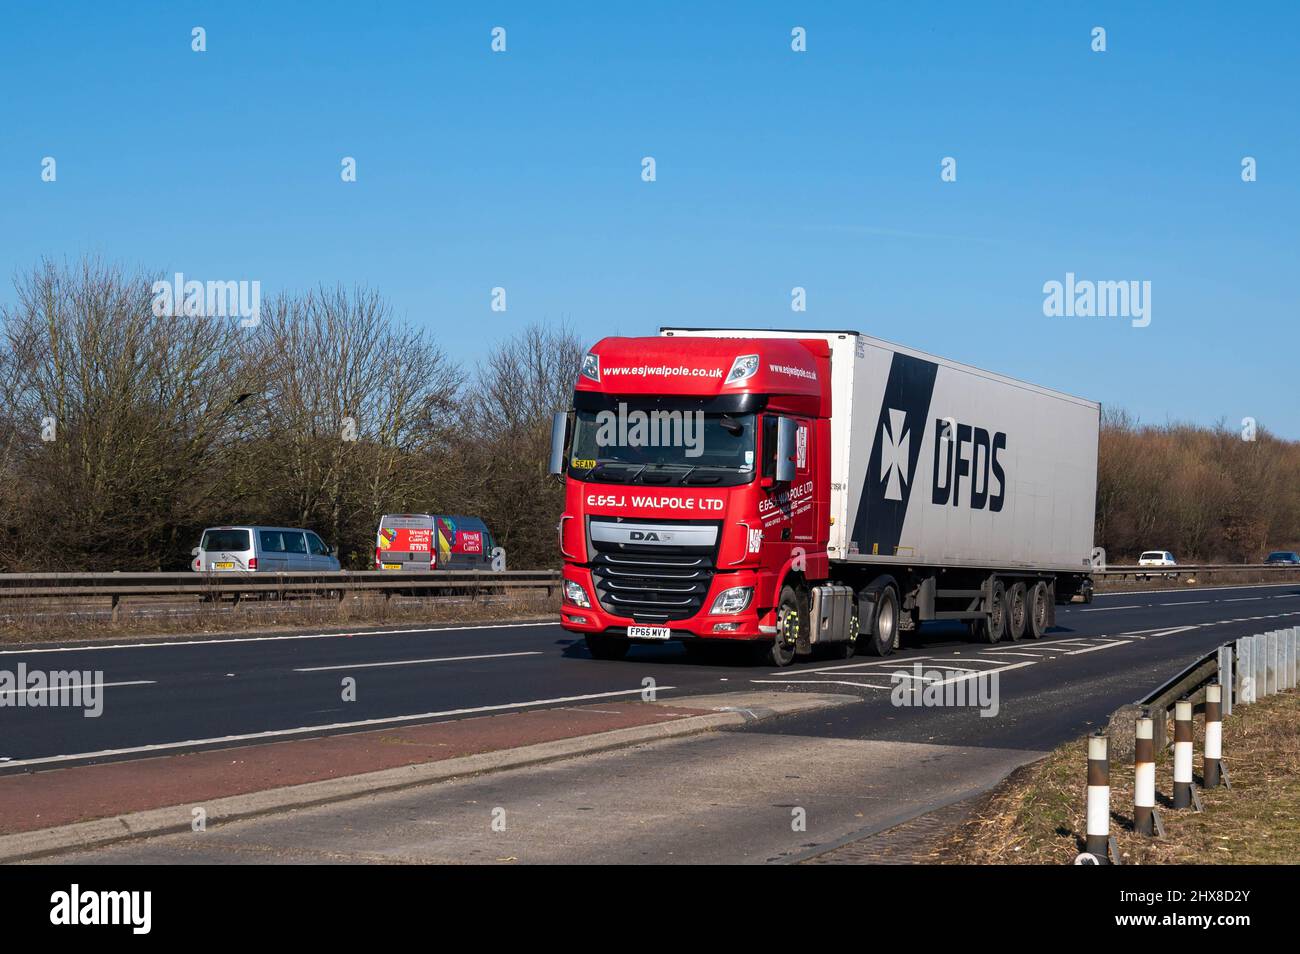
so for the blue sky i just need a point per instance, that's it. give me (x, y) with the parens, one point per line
(774, 169)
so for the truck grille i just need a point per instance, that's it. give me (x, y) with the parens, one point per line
(651, 584)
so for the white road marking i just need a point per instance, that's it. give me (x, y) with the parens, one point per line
(416, 662)
(6, 693)
(1175, 630)
(819, 682)
(263, 639)
(302, 730)
(1093, 649)
(902, 674)
(1107, 609)
(1034, 650)
(900, 661)
(1248, 599)
(1187, 603)
(1004, 652)
(977, 675)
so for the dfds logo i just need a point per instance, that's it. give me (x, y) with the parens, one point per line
(962, 451)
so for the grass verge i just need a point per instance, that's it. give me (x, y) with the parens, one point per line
(1036, 816)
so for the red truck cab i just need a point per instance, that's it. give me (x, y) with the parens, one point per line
(697, 481)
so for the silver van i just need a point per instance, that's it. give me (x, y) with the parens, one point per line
(263, 549)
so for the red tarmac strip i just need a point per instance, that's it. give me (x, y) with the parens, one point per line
(82, 793)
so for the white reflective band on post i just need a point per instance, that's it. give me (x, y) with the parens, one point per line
(1144, 795)
(1214, 740)
(1098, 809)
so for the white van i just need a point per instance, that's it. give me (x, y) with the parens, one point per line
(263, 549)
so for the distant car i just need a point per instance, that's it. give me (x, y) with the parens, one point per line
(1157, 558)
(1283, 557)
(426, 541)
(262, 549)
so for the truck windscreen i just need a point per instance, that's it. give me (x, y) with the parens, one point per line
(653, 446)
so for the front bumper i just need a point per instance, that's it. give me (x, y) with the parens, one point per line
(754, 622)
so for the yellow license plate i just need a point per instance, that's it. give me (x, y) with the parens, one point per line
(224, 566)
(392, 566)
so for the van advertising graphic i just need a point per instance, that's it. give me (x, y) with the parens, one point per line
(406, 539)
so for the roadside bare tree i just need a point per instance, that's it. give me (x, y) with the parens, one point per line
(506, 439)
(118, 412)
(351, 400)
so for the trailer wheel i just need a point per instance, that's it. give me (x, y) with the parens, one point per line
(1039, 608)
(993, 627)
(791, 624)
(884, 623)
(607, 647)
(1017, 611)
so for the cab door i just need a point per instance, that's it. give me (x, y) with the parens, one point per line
(803, 504)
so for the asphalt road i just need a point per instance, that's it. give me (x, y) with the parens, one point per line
(181, 696)
(771, 791)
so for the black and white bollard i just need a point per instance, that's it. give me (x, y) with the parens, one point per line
(1098, 823)
(1182, 754)
(1144, 777)
(1213, 734)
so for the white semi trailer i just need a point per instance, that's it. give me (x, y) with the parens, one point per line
(891, 488)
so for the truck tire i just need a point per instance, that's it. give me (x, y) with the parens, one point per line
(607, 647)
(1040, 599)
(791, 623)
(1017, 611)
(991, 628)
(884, 624)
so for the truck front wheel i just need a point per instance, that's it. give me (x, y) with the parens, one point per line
(791, 622)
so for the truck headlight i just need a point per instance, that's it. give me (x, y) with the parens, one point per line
(574, 593)
(742, 368)
(732, 601)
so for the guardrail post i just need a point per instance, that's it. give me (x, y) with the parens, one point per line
(1098, 814)
(1243, 671)
(1271, 688)
(1213, 734)
(1293, 636)
(1259, 652)
(117, 600)
(1144, 776)
(1225, 677)
(1285, 642)
(1183, 754)
(1288, 641)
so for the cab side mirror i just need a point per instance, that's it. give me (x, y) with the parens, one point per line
(559, 436)
(786, 434)
(194, 552)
